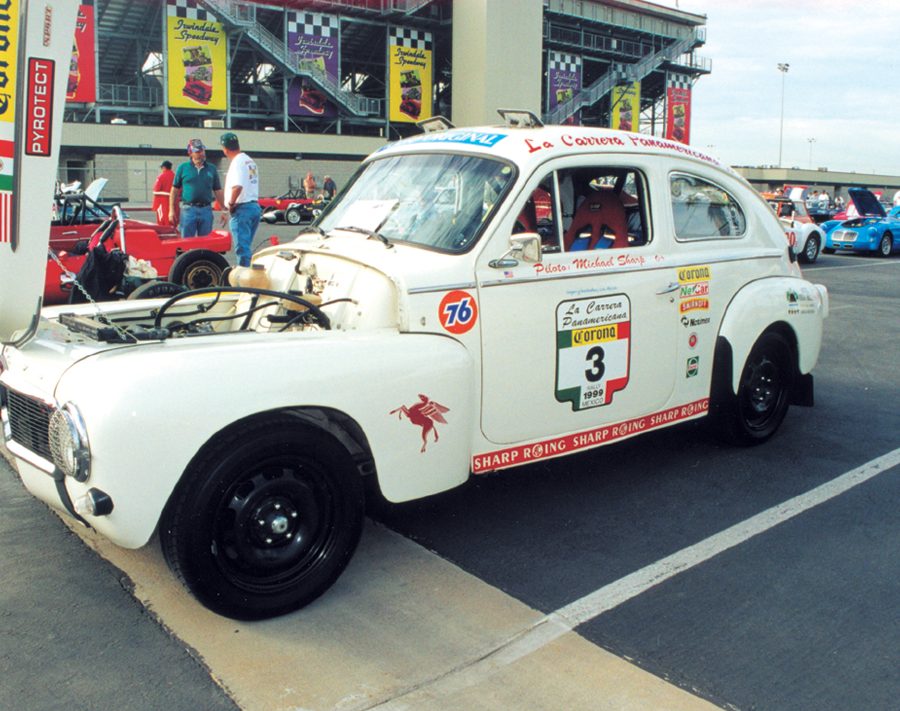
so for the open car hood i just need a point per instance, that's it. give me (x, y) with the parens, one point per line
(29, 152)
(866, 203)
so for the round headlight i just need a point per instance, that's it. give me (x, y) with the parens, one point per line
(68, 443)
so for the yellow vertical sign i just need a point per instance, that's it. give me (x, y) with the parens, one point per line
(410, 80)
(9, 47)
(197, 64)
(626, 107)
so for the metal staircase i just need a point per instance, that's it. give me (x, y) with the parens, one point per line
(241, 16)
(620, 74)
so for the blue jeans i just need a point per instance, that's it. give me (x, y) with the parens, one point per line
(243, 223)
(196, 221)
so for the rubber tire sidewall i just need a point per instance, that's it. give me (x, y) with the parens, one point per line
(729, 420)
(890, 240)
(187, 525)
(292, 216)
(186, 262)
(804, 255)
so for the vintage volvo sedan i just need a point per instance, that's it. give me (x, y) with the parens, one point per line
(474, 300)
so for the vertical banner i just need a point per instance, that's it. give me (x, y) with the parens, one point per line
(564, 82)
(678, 107)
(196, 57)
(409, 74)
(82, 84)
(312, 39)
(626, 107)
(35, 50)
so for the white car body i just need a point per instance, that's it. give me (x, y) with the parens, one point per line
(441, 362)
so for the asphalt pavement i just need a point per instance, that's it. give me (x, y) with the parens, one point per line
(460, 600)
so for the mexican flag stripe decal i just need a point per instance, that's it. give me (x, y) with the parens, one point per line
(7, 150)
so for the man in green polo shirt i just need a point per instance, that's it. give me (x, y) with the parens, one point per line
(196, 184)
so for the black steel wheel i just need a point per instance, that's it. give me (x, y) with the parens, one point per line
(886, 246)
(265, 521)
(198, 269)
(756, 412)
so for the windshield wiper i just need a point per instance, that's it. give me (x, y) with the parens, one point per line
(371, 233)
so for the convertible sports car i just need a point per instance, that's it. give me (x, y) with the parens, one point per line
(873, 230)
(80, 224)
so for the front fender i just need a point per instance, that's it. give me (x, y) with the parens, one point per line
(149, 409)
(762, 304)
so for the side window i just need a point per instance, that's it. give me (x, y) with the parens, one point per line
(602, 208)
(703, 210)
(539, 215)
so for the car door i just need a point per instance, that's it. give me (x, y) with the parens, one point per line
(583, 337)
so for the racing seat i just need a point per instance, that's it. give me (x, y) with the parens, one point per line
(599, 222)
(527, 219)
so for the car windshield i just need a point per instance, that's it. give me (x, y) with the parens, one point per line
(434, 200)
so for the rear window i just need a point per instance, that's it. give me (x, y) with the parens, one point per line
(703, 210)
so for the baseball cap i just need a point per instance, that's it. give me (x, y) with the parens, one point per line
(195, 145)
(229, 140)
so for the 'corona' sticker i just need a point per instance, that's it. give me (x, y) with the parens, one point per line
(593, 348)
(458, 312)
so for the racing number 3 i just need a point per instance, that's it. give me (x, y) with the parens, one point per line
(597, 369)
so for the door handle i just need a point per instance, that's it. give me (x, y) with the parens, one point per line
(673, 286)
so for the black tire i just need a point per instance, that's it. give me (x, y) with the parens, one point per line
(198, 269)
(827, 250)
(811, 249)
(156, 290)
(756, 412)
(886, 246)
(264, 520)
(292, 216)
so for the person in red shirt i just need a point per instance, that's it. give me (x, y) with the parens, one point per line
(162, 189)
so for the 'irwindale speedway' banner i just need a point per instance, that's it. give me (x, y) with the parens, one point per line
(196, 58)
(410, 62)
(564, 78)
(626, 107)
(82, 84)
(313, 39)
(678, 107)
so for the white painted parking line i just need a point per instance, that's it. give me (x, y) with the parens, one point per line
(555, 625)
(868, 265)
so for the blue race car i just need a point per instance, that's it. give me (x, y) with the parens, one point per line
(871, 230)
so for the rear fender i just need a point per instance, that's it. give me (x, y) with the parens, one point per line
(794, 306)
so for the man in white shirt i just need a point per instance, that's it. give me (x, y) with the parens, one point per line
(241, 197)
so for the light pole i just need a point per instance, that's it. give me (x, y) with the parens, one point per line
(783, 68)
(810, 141)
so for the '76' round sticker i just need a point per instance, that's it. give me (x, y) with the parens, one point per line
(458, 311)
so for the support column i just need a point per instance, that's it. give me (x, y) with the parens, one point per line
(497, 52)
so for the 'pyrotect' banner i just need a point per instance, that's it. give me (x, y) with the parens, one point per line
(313, 39)
(678, 107)
(564, 79)
(626, 107)
(410, 62)
(82, 84)
(196, 58)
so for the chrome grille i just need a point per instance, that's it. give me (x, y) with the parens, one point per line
(29, 422)
(844, 236)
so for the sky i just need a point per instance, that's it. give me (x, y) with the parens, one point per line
(842, 88)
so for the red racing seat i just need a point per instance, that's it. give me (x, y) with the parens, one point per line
(600, 215)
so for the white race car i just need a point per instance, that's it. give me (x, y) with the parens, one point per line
(802, 231)
(475, 300)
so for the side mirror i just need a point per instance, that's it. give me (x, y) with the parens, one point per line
(526, 246)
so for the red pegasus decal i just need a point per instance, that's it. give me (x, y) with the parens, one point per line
(424, 414)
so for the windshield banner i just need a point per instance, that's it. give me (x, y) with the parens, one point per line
(196, 58)
(626, 103)
(82, 83)
(313, 44)
(410, 61)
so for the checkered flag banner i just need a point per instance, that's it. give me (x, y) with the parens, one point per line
(562, 62)
(410, 38)
(678, 81)
(188, 9)
(312, 23)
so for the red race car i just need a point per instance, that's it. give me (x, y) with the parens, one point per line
(292, 207)
(80, 225)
